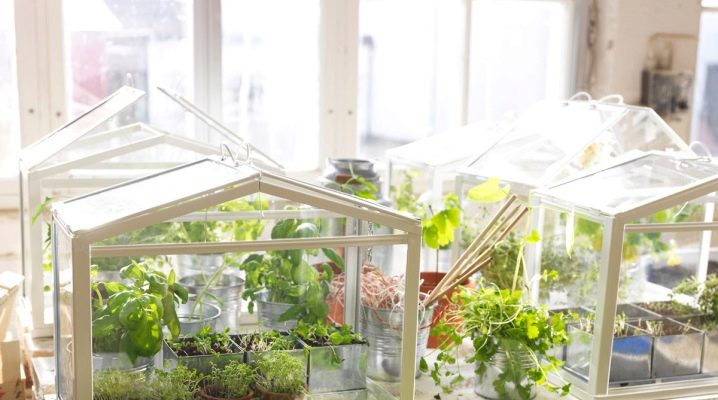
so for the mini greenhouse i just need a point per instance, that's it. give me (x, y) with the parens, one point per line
(604, 234)
(90, 153)
(316, 270)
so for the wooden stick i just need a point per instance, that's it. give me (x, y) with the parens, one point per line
(451, 287)
(487, 234)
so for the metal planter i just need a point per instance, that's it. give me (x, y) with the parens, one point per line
(228, 289)
(194, 317)
(250, 355)
(484, 386)
(268, 313)
(202, 363)
(383, 329)
(676, 351)
(670, 309)
(630, 355)
(337, 368)
(710, 341)
(192, 263)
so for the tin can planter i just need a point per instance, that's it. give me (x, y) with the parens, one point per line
(120, 361)
(337, 368)
(189, 264)
(267, 395)
(193, 317)
(227, 288)
(182, 352)
(204, 393)
(382, 329)
(630, 355)
(677, 348)
(710, 341)
(268, 313)
(502, 361)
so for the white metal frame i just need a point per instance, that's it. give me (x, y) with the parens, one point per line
(615, 225)
(246, 184)
(36, 179)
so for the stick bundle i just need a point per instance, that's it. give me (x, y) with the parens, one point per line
(479, 252)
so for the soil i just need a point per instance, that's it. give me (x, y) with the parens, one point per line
(669, 309)
(324, 342)
(250, 343)
(187, 347)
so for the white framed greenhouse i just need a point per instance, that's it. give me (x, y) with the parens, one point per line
(602, 232)
(89, 153)
(195, 192)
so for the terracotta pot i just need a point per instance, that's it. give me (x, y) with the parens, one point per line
(267, 395)
(204, 395)
(429, 282)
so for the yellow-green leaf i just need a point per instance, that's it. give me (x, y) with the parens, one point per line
(488, 192)
(533, 237)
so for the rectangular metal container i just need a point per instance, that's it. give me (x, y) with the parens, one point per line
(630, 357)
(710, 341)
(677, 350)
(299, 352)
(202, 363)
(338, 368)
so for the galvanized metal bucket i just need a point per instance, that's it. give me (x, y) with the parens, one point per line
(382, 329)
(189, 264)
(338, 368)
(193, 317)
(502, 360)
(227, 288)
(268, 313)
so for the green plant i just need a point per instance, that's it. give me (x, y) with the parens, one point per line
(288, 276)
(327, 335)
(404, 198)
(356, 185)
(181, 383)
(279, 372)
(266, 341)
(706, 293)
(204, 342)
(498, 321)
(130, 318)
(233, 381)
(113, 384)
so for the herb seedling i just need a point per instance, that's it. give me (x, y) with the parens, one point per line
(204, 342)
(279, 372)
(233, 381)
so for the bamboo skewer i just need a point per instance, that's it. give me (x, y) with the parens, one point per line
(484, 244)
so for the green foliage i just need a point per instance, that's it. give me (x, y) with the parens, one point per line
(289, 277)
(706, 294)
(279, 372)
(266, 341)
(404, 198)
(233, 381)
(180, 383)
(356, 185)
(249, 229)
(326, 335)
(204, 342)
(438, 230)
(113, 384)
(130, 318)
(504, 262)
(490, 191)
(497, 320)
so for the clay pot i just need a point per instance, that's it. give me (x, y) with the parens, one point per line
(204, 395)
(429, 282)
(267, 395)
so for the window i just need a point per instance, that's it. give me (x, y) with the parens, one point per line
(270, 77)
(110, 43)
(9, 115)
(705, 103)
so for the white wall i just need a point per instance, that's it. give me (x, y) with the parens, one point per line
(623, 32)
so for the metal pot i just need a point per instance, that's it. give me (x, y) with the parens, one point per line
(268, 313)
(502, 360)
(228, 289)
(382, 328)
(192, 263)
(193, 317)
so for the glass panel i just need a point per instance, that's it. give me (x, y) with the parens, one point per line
(423, 58)
(9, 113)
(519, 55)
(544, 140)
(64, 327)
(621, 187)
(270, 77)
(122, 201)
(143, 44)
(704, 127)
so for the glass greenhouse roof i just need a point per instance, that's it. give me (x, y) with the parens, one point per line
(628, 185)
(554, 140)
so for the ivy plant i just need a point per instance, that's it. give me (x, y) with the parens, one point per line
(130, 317)
(288, 277)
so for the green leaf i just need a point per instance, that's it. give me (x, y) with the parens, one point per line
(283, 228)
(532, 332)
(170, 318)
(292, 313)
(41, 208)
(423, 365)
(334, 257)
(488, 192)
(533, 237)
(306, 230)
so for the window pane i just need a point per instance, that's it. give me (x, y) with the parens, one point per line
(410, 75)
(705, 109)
(270, 76)
(9, 117)
(151, 41)
(520, 54)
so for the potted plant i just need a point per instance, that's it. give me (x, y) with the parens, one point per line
(337, 357)
(115, 384)
(513, 343)
(130, 318)
(233, 382)
(280, 377)
(256, 345)
(180, 383)
(201, 350)
(284, 285)
(677, 348)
